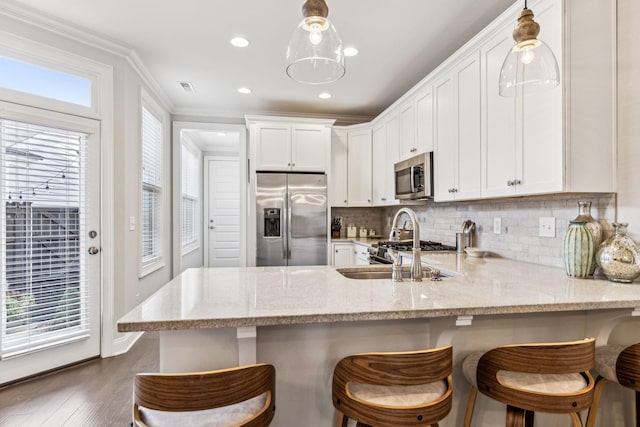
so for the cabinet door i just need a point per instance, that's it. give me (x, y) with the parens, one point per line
(393, 156)
(273, 147)
(499, 118)
(407, 130)
(309, 148)
(540, 157)
(380, 167)
(467, 76)
(338, 176)
(359, 167)
(445, 138)
(362, 254)
(343, 254)
(424, 121)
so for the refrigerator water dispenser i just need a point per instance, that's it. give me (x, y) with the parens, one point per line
(272, 222)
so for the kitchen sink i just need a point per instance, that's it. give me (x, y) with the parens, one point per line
(384, 272)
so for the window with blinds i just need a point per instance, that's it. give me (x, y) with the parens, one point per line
(151, 188)
(190, 199)
(44, 280)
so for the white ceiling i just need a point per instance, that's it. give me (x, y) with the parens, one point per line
(400, 41)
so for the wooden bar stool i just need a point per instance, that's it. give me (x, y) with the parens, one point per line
(549, 377)
(618, 364)
(243, 396)
(394, 389)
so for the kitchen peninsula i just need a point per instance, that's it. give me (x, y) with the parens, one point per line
(304, 319)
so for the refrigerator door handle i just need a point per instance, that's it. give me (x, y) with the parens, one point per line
(289, 207)
(285, 226)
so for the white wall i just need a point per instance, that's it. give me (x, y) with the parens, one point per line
(628, 115)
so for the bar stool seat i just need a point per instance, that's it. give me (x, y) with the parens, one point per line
(394, 389)
(617, 364)
(242, 396)
(529, 378)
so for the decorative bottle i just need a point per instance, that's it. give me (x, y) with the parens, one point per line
(579, 250)
(584, 214)
(618, 256)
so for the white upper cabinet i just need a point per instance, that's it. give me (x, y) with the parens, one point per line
(424, 119)
(359, 167)
(289, 144)
(386, 140)
(338, 195)
(408, 146)
(561, 140)
(457, 132)
(522, 146)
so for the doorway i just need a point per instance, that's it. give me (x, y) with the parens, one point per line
(222, 205)
(50, 240)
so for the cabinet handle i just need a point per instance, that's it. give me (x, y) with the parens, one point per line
(345, 201)
(288, 164)
(517, 182)
(384, 199)
(293, 164)
(510, 183)
(369, 200)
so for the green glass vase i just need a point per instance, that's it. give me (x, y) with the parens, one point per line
(579, 250)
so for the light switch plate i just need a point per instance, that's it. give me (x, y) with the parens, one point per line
(547, 226)
(497, 225)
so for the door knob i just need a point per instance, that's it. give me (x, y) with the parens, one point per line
(93, 250)
(212, 227)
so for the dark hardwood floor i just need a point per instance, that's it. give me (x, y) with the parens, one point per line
(94, 393)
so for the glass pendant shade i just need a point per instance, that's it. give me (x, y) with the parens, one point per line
(314, 54)
(530, 66)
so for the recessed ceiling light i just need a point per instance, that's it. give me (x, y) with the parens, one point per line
(239, 42)
(244, 90)
(324, 95)
(350, 51)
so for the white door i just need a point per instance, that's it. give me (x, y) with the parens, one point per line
(223, 212)
(49, 240)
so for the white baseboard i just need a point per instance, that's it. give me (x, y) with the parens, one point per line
(123, 344)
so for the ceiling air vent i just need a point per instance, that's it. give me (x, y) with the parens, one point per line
(187, 86)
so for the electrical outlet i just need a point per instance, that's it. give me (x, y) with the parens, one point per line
(132, 223)
(497, 225)
(547, 226)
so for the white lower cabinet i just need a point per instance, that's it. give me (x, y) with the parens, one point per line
(343, 254)
(362, 254)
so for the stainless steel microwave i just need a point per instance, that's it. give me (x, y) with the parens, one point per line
(414, 177)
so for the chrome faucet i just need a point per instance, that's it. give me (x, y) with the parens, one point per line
(394, 236)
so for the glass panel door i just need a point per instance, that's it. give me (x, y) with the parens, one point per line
(49, 240)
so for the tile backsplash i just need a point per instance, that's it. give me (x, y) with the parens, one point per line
(519, 238)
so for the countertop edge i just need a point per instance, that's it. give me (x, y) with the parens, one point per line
(164, 325)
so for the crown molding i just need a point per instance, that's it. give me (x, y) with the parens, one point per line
(340, 119)
(87, 38)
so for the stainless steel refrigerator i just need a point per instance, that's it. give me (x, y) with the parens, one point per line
(291, 210)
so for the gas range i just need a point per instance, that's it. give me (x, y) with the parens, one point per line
(378, 254)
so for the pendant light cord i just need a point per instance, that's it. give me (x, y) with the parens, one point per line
(525, 4)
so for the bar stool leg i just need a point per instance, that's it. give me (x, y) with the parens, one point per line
(528, 418)
(515, 417)
(577, 421)
(471, 403)
(597, 394)
(637, 408)
(341, 420)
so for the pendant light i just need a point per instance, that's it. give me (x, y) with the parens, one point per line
(530, 66)
(314, 54)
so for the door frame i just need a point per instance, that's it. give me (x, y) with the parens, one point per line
(205, 212)
(176, 141)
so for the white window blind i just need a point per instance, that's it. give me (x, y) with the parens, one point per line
(190, 200)
(44, 280)
(151, 187)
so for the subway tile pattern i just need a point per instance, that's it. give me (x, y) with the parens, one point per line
(519, 239)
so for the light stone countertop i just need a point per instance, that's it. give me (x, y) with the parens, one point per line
(261, 296)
